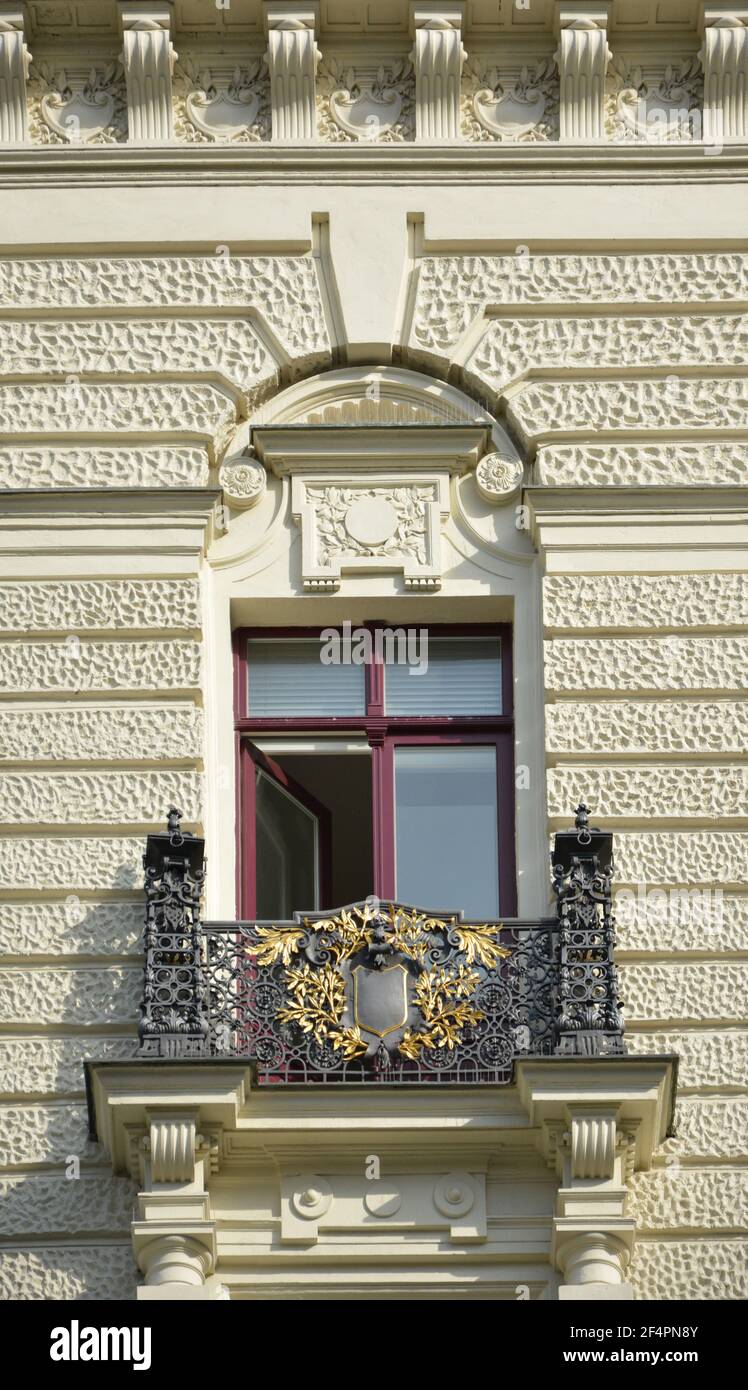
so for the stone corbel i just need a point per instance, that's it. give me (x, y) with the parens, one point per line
(724, 58)
(598, 1122)
(292, 60)
(148, 59)
(437, 57)
(14, 70)
(582, 58)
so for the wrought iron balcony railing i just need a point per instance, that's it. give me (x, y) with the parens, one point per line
(379, 991)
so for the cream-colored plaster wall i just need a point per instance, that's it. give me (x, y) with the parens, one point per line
(127, 372)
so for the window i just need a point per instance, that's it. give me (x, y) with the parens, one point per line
(375, 760)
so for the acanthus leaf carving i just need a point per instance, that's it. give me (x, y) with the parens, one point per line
(657, 110)
(511, 108)
(63, 109)
(377, 106)
(211, 108)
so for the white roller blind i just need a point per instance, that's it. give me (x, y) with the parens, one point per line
(462, 676)
(286, 678)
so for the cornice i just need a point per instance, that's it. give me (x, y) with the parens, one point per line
(353, 164)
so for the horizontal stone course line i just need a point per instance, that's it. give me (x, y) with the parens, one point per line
(659, 921)
(72, 926)
(669, 991)
(453, 290)
(643, 465)
(79, 466)
(48, 1133)
(646, 663)
(629, 727)
(509, 349)
(698, 1270)
(81, 1272)
(87, 665)
(49, 1066)
(691, 1200)
(85, 995)
(283, 289)
(172, 407)
(650, 793)
(620, 601)
(69, 863)
(716, 1058)
(46, 1204)
(115, 733)
(103, 797)
(698, 857)
(542, 408)
(65, 605)
(229, 348)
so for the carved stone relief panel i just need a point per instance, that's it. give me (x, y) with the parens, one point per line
(513, 102)
(654, 103)
(220, 102)
(374, 102)
(391, 523)
(71, 104)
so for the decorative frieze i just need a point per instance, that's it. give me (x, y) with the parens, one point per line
(646, 663)
(283, 291)
(84, 996)
(694, 1270)
(619, 601)
(662, 992)
(512, 105)
(47, 1066)
(692, 1200)
(46, 1134)
(374, 103)
(48, 1204)
(171, 733)
(86, 106)
(148, 58)
(62, 605)
(74, 926)
(582, 57)
(81, 407)
(74, 665)
(636, 727)
(227, 348)
(657, 106)
(103, 798)
(15, 60)
(82, 863)
(677, 464)
(724, 57)
(677, 856)
(438, 56)
(511, 347)
(453, 291)
(292, 60)
(669, 792)
(677, 403)
(63, 1272)
(215, 105)
(706, 1058)
(92, 467)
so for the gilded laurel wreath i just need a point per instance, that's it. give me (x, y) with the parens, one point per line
(443, 994)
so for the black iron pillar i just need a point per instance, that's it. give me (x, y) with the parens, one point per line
(589, 1021)
(173, 1019)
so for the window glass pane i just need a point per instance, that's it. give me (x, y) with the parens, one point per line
(446, 828)
(286, 678)
(457, 675)
(287, 848)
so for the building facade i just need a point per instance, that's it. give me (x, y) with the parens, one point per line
(326, 326)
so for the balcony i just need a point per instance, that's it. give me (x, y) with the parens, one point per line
(378, 992)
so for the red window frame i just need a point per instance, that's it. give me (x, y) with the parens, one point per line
(384, 733)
